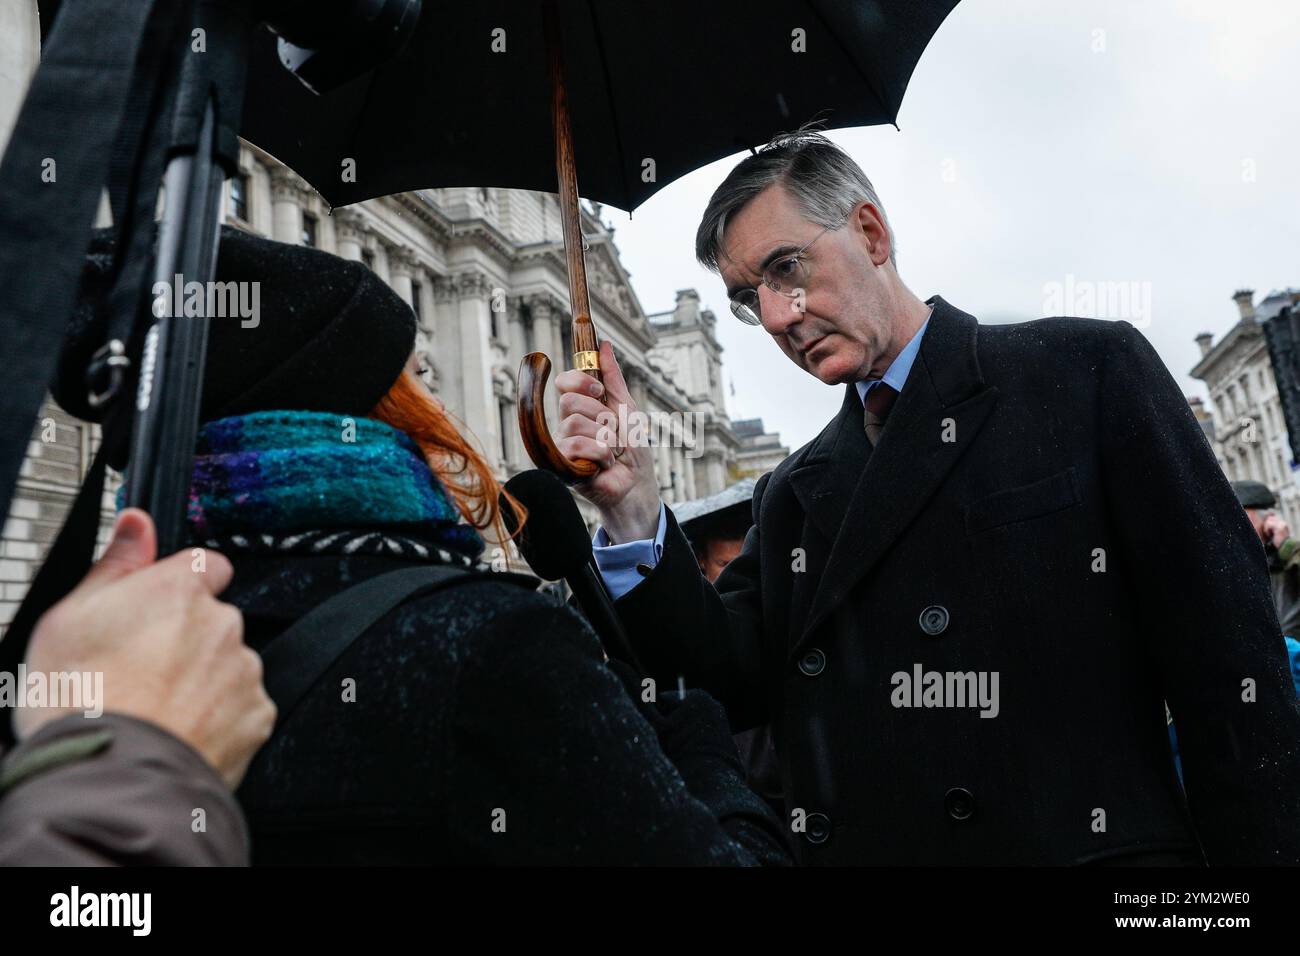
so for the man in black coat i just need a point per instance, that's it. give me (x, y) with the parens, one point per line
(965, 603)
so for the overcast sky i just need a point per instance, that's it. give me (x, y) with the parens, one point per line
(1111, 141)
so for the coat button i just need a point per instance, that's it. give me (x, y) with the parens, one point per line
(817, 828)
(960, 803)
(934, 619)
(812, 663)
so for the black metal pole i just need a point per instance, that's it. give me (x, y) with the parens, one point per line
(204, 153)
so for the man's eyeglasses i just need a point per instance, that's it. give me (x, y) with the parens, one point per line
(786, 274)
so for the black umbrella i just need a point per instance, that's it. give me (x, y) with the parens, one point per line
(639, 92)
(679, 82)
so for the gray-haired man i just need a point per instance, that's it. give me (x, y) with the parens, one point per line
(963, 605)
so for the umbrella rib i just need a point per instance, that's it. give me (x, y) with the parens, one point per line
(871, 85)
(613, 107)
(365, 109)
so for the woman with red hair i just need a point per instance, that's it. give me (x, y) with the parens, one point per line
(478, 723)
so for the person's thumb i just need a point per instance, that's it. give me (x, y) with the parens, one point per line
(615, 386)
(132, 546)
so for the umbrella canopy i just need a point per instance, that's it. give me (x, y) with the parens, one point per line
(523, 94)
(656, 89)
(622, 98)
(739, 494)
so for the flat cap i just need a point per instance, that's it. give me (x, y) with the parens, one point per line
(1253, 494)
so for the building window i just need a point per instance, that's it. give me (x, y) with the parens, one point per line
(416, 292)
(239, 196)
(368, 258)
(503, 413)
(309, 230)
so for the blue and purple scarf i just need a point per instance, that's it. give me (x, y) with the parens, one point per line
(268, 475)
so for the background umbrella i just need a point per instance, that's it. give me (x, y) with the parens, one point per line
(635, 94)
(731, 498)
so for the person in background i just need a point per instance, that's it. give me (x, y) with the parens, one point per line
(184, 710)
(1283, 553)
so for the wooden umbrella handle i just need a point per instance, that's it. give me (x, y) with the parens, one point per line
(535, 368)
(534, 371)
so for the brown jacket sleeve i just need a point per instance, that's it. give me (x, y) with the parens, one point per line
(115, 790)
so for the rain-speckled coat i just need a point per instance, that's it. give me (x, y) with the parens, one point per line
(1042, 507)
(481, 727)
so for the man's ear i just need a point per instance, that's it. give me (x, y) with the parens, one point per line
(871, 226)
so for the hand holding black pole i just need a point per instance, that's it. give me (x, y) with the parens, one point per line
(554, 542)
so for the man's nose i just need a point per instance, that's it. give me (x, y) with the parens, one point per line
(778, 312)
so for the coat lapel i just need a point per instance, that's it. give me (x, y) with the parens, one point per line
(862, 500)
(824, 483)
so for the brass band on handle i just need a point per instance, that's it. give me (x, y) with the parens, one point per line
(588, 361)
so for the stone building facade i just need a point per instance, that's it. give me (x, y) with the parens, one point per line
(484, 270)
(1246, 428)
(760, 450)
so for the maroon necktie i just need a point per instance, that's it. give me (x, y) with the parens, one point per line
(880, 399)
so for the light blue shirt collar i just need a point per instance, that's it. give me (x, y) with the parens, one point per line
(896, 375)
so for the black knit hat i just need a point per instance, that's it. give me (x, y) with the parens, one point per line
(1253, 494)
(328, 335)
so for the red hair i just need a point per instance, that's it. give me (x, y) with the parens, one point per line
(410, 407)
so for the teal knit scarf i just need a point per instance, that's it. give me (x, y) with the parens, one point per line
(279, 472)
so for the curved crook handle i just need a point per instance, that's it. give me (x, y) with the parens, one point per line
(534, 370)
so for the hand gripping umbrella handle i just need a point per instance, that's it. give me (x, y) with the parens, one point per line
(534, 371)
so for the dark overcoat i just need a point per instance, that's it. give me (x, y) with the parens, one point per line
(479, 725)
(1042, 508)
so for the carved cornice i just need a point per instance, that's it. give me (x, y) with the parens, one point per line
(481, 234)
(474, 284)
(468, 283)
(426, 211)
(286, 186)
(350, 226)
(542, 305)
(402, 260)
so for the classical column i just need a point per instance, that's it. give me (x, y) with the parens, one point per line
(473, 292)
(546, 339)
(635, 376)
(20, 52)
(670, 469)
(511, 441)
(286, 199)
(444, 340)
(402, 265)
(515, 330)
(717, 473)
(663, 472)
(350, 233)
(427, 316)
(381, 262)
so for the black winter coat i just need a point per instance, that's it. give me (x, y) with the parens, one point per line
(485, 729)
(1042, 505)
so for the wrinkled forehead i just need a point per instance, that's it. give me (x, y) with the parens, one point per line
(769, 225)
